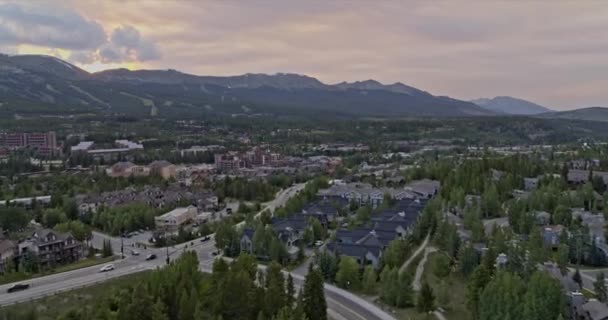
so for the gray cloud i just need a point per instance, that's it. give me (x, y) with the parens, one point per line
(48, 26)
(83, 57)
(126, 39)
(58, 27)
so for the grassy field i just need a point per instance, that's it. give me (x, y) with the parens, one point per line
(14, 277)
(52, 307)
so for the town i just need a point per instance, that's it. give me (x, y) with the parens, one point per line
(426, 229)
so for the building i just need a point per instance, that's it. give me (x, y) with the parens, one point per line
(424, 188)
(162, 168)
(364, 194)
(229, 162)
(530, 184)
(176, 218)
(82, 146)
(44, 143)
(121, 147)
(127, 169)
(52, 248)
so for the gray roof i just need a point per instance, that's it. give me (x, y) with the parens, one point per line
(356, 250)
(159, 164)
(596, 310)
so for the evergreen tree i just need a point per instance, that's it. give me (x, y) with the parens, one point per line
(426, 299)
(159, 311)
(405, 291)
(275, 297)
(290, 297)
(313, 298)
(328, 266)
(348, 273)
(369, 279)
(543, 298)
(576, 277)
(599, 287)
(502, 298)
(475, 286)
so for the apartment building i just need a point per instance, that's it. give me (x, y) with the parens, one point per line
(52, 248)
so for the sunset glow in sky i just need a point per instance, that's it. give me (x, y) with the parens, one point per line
(552, 53)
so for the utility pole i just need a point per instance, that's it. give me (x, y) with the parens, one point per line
(122, 246)
(167, 244)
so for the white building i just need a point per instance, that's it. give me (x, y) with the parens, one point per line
(176, 217)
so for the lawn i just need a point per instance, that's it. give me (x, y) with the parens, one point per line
(14, 277)
(52, 307)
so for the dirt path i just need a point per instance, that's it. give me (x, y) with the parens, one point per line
(420, 268)
(415, 254)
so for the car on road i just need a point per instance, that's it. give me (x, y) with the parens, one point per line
(17, 287)
(205, 238)
(134, 252)
(319, 243)
(151, 257)
(106, 268)
(228, 211)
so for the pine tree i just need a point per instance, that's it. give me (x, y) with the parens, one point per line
(159, 311)
(600, 287)
(426, 299)
(405, 291)
(543, 298)
(290, 293)
(199, 312)
(369, 279)
(275, 296)
(475, 285)
(313, 299)
(576, 277)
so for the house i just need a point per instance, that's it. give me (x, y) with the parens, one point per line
(595, 222)
(246, 241)
(530, 184)
(7, 252)
(360, 193)
(290, 230)
(52, 248)
(577, 176)
(542, 218)
(551, 236)
(322, 210)
(176, 218)
(162, 168)
(364, 255)
(424, 188)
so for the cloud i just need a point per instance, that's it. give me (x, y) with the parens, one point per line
(48, 27)
(57, 27)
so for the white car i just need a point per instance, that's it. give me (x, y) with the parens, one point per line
(106, 268)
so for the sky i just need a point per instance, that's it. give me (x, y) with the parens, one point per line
(554, 53)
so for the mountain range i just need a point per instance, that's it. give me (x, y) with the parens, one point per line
(35, 82)
(510, 105)
(38, 85)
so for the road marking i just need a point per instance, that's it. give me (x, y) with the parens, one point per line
(351, 311)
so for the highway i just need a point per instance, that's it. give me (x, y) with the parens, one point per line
(341, 304)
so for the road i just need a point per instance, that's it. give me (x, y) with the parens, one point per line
(341, 304)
